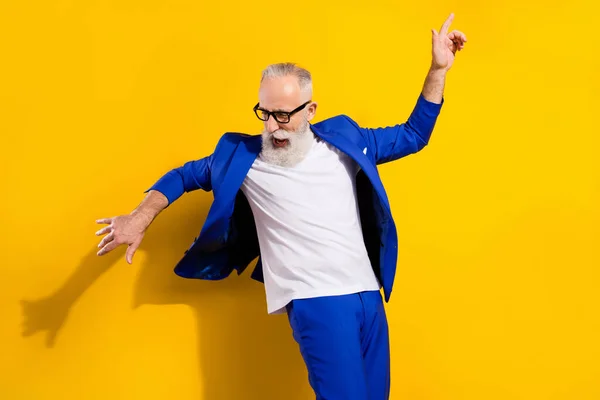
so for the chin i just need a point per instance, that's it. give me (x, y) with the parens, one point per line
(281, 156)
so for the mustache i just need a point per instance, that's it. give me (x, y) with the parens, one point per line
(280, 135)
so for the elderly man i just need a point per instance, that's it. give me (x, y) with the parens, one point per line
(306, 200)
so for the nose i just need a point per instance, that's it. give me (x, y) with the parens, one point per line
(271, 125)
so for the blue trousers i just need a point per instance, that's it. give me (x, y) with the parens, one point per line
(344, 342)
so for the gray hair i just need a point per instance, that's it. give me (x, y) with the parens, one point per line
(286, 69)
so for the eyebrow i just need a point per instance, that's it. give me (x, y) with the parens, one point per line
(275, 110)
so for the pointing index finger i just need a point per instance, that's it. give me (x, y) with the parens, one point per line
(444, 30)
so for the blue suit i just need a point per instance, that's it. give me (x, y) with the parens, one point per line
(343, 339)
(228, 238)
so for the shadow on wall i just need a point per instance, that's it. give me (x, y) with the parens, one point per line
(230, 314)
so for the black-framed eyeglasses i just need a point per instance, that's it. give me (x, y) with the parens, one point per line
(283, 117)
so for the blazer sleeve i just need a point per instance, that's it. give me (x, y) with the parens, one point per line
(190, 176)
(393, 142)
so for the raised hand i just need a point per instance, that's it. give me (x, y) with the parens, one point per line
(445, 45)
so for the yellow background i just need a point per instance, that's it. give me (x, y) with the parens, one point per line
(497, 290)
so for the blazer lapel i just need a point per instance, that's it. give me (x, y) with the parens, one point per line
(215, 229)
(343, 144)
(241, 162)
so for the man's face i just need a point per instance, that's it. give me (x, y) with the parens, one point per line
(285, 143)
(284, 94)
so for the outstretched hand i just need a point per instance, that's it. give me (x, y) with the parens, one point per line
(445, 45)
(124, 229)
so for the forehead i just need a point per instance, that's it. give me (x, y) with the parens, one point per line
(279, 93)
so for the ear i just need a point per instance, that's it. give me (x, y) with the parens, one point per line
(312, 110)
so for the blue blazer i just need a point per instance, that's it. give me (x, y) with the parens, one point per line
(228, 239)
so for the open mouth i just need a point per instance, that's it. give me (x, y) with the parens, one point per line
(280, 142)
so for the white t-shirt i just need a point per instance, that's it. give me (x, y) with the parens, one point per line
(308, 226)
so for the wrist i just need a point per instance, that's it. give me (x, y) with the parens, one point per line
(143, 215)
(437, 71)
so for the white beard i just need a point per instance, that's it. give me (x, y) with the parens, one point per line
(299, 143)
